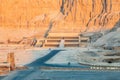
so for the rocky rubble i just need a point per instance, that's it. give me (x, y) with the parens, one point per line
(111, 39)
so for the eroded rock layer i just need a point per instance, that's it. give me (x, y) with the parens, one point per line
(36, 16)
(91, 14)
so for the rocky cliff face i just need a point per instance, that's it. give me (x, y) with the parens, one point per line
(37, 15)
(92, 14)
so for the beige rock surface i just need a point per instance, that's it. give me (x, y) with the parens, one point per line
(25, 18)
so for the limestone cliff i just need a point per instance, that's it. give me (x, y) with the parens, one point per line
(37, 15)
(91, 14)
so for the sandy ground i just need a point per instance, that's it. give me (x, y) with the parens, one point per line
(59, 56)
(27, 55)
(17, 34)
(23, 54)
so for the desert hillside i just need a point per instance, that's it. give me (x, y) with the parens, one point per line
(25, 18)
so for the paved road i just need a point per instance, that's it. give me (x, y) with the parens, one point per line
(36, 74)
(41, 61)
(63, 75)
